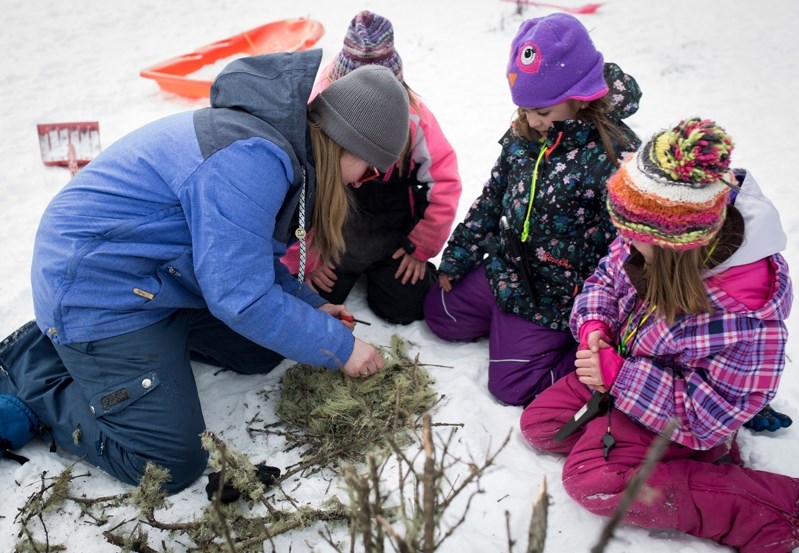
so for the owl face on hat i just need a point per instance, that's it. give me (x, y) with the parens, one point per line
(552, 60)
(528, 58)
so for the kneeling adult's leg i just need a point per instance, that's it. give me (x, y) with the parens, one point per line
(221, 345)
(132, 399)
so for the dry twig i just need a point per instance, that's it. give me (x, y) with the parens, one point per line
(655, 452)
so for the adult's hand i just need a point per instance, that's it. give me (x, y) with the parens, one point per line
(410, 268)
(322, 278)
(364, 361)
(339, 312)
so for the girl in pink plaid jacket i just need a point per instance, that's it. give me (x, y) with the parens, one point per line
(683, 320)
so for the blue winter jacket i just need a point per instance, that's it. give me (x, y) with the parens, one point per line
(194, 211)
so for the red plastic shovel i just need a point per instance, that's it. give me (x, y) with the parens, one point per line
(586, 8)
(71, 145)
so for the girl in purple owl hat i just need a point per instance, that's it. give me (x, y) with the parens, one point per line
(512, 268)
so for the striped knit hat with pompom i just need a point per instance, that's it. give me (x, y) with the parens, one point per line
(369, 40)
(671, 192)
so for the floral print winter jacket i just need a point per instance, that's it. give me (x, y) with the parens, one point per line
(569, 227)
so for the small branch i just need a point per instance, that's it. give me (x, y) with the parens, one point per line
(400, 544)
(428, 484)
(507, 531)
(655, 452)
(123, 544)
(216, 503)
(537, 534)
(475, 473)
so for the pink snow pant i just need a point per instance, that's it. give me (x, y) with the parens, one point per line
(524, 358)
(696, 492)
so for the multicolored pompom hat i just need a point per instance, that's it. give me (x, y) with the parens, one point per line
(671, 192)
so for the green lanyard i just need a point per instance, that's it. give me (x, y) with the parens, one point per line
(628, 333)
(533, 183)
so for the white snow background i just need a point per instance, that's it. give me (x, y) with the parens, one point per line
(79, 60)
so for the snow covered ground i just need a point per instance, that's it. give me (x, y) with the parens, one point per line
(728, 60)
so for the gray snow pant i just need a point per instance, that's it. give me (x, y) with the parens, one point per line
(120, 402)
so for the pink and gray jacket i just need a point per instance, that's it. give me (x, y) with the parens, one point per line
(418, 205)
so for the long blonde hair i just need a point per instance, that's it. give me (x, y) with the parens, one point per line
(332, 203)
(596, 112)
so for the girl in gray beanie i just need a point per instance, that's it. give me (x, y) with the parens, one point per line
(403, 217)
(166, 247)
(364, 114)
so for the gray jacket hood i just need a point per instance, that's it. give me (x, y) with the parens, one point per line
(267, 96)
(273, 87)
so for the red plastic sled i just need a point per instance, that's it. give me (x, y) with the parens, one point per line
(286, 35)
(587, 8)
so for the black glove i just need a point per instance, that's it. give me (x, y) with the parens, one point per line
(768, 419)
(266, 474)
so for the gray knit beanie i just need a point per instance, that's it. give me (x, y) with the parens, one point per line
(366, 113)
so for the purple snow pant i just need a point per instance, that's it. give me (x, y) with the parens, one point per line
(524, 358)
(696, 492)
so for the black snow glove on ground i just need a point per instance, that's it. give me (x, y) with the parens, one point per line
(266, 474)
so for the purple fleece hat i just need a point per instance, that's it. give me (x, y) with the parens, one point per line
(552, 59)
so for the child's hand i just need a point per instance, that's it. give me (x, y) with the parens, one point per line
(322, 278)
(410, 268)
(588, 365)
(594, 341)
(445, 281)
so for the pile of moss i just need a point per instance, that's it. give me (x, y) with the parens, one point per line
(333, 416)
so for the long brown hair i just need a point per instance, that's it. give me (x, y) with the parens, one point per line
(596, 112)
(332, 203)
(674, 282)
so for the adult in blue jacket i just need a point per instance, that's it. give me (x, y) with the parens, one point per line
(168, 245)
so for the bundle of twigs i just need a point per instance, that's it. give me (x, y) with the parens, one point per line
(333, 417)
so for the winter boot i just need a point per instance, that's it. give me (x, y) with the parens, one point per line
(18, 426)
(18, 422)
